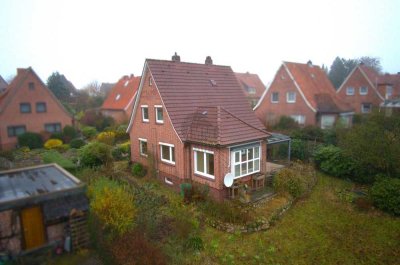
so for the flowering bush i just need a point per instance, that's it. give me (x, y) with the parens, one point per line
(106, 138)
(95, 154)
(53, 143)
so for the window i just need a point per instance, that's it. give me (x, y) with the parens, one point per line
(159, 114)
(118, 97)
(204, 163)
(345, 120)
(145, 113)
(31, 86)
(25, 107)
(291, 97)
(16, 130)
(143, 146)
(150, 81)
(246, 161)
(327, 121)
(389, 92)
(167, 153)
(300, 119)
(275, 97)
(251, 90)
(41, 107)
(168, 181)
(126, 83)
(52, 127)
(366, 107)
(350, 91)
(363, 90)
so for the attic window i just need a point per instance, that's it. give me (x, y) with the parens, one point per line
(150, 81)
(31, 86)
(282, 77)
(213, 82)
(118, 97)
(126, 83)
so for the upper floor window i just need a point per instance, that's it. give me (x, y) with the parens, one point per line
(246, 161)
(251, 90)
(275, 97)
(389, 92)
(363, 90)
(145, 113)
(25, 107)
(291, 97)
(52, 127)
(204, 162)
(350, 91)
(31, 86)
(300, 119)
(16, 130)
(167, 153)
(41, 107)
(366, 107)
(143, 146)
(159, 114)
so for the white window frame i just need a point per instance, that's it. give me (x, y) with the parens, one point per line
(272, 97)
(168, 181)
(300, 119)
(145, 107)
(170, 153)
(140, 146)
(156, 107)
(234, 163)
(362, 108)
(251, 90)
(195, 154)
(348, 91)
(323, 117)
(364, 93)
(389, 92)
(288, 100)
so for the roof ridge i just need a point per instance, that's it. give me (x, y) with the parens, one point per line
(174, 62)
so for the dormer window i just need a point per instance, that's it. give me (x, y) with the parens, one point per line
(251, 90)
(118, 97)
(145, 113)
(291, 97)
(159, 114)
(126, 83)
(350, 91)
(363, 90)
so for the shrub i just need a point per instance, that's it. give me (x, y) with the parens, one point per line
(8, 154)
(96, 119)
(95, 154)
(31, 140)
(331, 160)
(89, 132)
(57, 135)
(52, 143)
(309, 132)
(122, 151)
(52, 156)
(295, 180)
(385, 194)
(77, 143)
(69, 133)
(195, 243)
(62, 148)
(138, 170)
(194, 193)
(121, 133)
(106, 137)
(113, 205)
(227, 211)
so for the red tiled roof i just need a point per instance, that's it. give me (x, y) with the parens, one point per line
(184, 87)
(389, 79)
(316, 87)
(122, 93)
(371, 74)
(247, 80)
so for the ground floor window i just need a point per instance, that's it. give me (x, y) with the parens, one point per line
(300, 119)
(143, 146)
(327, 121)
(246, 161)
(204, 162)
(16, 130)
(366, 107)
(52, 127)
(167, 153)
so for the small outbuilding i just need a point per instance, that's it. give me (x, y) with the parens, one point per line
(39, 207)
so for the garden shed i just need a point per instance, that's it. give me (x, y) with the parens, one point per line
(38, 208)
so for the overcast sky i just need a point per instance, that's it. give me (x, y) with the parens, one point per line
(103, 40)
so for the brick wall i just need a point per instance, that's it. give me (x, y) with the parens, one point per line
(119, 116)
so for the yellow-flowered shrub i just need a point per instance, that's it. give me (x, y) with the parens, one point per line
(53, 143)
(106, 137)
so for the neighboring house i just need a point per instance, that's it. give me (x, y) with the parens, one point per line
(303, 92)
(3, 85)
(365, 89)
(120, 99)
(28, 105)
(41, 206)
(105, 88)
(192, 121)
(391, 106)
(252, 86)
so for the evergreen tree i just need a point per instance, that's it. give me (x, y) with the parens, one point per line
(337, 72)
(56, 84)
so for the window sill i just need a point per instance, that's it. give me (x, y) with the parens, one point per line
(159, 122)
(291, 102)
(274, 102)
(171, 163)
(203, 177)
(144, 155)
(145, 121)
(201, 174)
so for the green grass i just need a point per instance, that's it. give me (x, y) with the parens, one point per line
(52, 156)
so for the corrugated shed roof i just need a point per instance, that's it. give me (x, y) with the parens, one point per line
(121, 95)
(247, 80)
(184, 87)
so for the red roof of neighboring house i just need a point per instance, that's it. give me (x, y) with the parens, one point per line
(316, 87)
(205, 103)
(247, 81)
(371, 74)
(122, 94)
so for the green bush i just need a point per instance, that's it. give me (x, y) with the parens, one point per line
(121, 151)
(286, 123)
(121, 134)
(385, 194)
(95, 154)
(53, 143)
(312, 133)
(331, 160)
(295, 180)
(77, 143)
(228, 211)
(194, 243)
(138, 170)
(31, 140)
(69, 132)
(8, 154)
(52, 156)
(57, 135)
(89, 132)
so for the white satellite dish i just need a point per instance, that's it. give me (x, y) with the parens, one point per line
(228, 180)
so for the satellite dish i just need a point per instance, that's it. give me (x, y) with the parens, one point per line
(228, 180)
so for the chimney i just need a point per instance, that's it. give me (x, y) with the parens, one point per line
(398, 73)
(20, 71)
(176, 58)
(132, 76)
(209, 60)
(309, 63)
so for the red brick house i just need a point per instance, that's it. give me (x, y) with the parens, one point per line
(365, 89)
(303, 92)
(252, 86)
(196, 124)
(120, 99)
(28, 105)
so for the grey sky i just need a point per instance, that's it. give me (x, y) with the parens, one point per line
(103, 40)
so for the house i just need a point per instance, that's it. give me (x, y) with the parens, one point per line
(120, 99)
(391, 106)
(365, 89)
(192, 122)
(28, 105)
(3, 85)
(252, 86)
(38, 206)
(303, 92)
(105, 88)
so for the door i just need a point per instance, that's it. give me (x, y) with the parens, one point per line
(33, 228)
